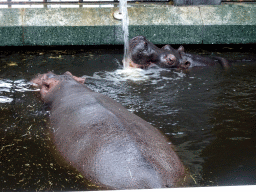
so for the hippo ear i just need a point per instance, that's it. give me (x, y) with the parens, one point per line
(166, 47)
(181, 49)
(68, 73)
(79, 79)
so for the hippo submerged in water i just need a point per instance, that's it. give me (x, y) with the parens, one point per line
(143, 54)
(107, 144)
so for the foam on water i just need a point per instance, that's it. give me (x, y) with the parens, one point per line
(151, 75)
(19, 85)
(4, 99)
(9, 86)
(120, 75)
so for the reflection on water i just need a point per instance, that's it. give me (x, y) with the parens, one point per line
(207, 113)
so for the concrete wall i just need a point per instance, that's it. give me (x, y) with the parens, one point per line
(161, 24)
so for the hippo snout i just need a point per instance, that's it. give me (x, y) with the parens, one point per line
(37, 81)
(168, 60)
(48, 81)
(171, 60)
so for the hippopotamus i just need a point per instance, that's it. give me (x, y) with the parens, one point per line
(187, 60)
(103, 141)
(143, 54)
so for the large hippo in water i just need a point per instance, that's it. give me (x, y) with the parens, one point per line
(143, 54)
(107, 144)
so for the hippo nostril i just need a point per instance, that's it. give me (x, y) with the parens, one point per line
(171, 59)
(45, 85)
(187, 63)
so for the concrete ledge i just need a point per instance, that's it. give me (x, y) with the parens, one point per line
(161, 24)
(247, 188)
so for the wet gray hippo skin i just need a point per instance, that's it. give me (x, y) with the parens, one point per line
(107, 144)
(186, 60)
(143, 54)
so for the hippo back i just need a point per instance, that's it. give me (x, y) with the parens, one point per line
(107, 144)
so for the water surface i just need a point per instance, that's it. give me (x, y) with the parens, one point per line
(208, 114)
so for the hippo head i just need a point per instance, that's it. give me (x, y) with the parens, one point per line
(49, 81)
(181, 59)
(143, 53)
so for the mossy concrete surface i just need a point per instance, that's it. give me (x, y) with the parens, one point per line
(161, 24)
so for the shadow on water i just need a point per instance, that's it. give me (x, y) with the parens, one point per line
(207, 113)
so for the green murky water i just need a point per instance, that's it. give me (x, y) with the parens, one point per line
(207, 113)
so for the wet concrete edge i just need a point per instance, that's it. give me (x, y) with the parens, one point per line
(161, 24)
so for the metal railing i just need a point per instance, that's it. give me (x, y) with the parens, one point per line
(79, 3)
(61, 3)
(71, 1)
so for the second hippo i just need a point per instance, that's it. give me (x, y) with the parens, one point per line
(143, 54)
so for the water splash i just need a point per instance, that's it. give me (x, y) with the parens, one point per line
(125, 23)
(152, 75)
(10, 86)
(120, 75)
